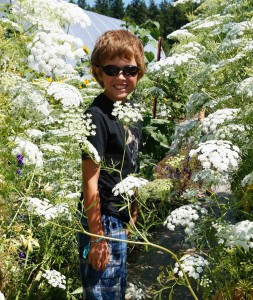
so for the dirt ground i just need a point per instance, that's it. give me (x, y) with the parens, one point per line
(144, 266)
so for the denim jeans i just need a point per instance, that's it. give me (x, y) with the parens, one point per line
(111, 283)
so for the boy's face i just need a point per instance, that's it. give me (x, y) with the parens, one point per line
(118, 87)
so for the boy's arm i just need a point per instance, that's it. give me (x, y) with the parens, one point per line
(99, 252)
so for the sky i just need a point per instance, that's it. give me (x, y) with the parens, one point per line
(126, 2)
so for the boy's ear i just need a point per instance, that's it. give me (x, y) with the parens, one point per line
(99, 75)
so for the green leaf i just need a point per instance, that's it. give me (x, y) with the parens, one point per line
(150, 56)
(77, 291)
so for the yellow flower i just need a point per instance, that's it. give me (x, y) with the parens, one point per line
(86, 81)
(49, 79)
(86, 49)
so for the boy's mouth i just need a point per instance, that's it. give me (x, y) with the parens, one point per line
(120, 86)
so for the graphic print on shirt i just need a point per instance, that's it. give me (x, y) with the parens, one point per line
(132, 143)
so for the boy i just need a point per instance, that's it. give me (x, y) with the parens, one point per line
(117, 64)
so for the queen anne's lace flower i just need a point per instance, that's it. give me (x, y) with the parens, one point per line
(127, 113)
(88, 148)
(55, 278)
(67, 94)
(212, 121)
(54, 52)
(60, 14)
(78, 125)
(186, 216)
(28, 100)
(32, 154)
(2, 296)
(238, 235)
(51, 148)
(45, 209)
(193, 266)
(246, 87)
(175, 3)
(169, 63)
(129, 185)
(181, 34)
(218, 155)
(34, 133)
(247, 180)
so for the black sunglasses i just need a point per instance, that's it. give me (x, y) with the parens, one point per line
(112, 70)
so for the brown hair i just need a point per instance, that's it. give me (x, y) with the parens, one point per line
(117, 43)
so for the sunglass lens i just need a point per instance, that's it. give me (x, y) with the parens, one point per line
(111, 70)
(130, 70)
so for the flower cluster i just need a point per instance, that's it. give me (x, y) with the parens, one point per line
(88, 148)
(34, 133)
(2, 296)
(175, 3)
(212, 121)
(129, 185)
(169, 63)
(238, 235)
(36, 13)
(45, 209)
(191, 195)
(52, 53)
(217, 154)
(127, 113)
(67, 94)
(247, 180)
(193, 266)
(185, 216)
(32, 154)
(31, 101)
(246, 87)
(230, 132)
(134, 292)
(51, 148)
(55, 278)
(181, 34)
(78, 125)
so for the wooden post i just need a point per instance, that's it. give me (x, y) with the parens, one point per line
(159, 48)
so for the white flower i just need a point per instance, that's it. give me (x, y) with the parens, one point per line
(67, 94)
(192, 265)
(134, 292)
(185, 216)
(219, 155)
(51, 148)
(28, 100)
(34, 133)
(50, 14)
(45, 209)
(78, 125)
(181, 34)
(129, 185)
(127, 113)
(55, 278)
(212, 121)
(247, 180)
(238, 235)
(2, 296)
(246, 87)
(32, 154)
(55, 53)
(88, 148)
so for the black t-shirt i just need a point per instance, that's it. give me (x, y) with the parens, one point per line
(115, 145)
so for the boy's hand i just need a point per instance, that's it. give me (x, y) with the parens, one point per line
(99, 255)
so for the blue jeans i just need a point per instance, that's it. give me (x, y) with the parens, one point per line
(111, 283)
